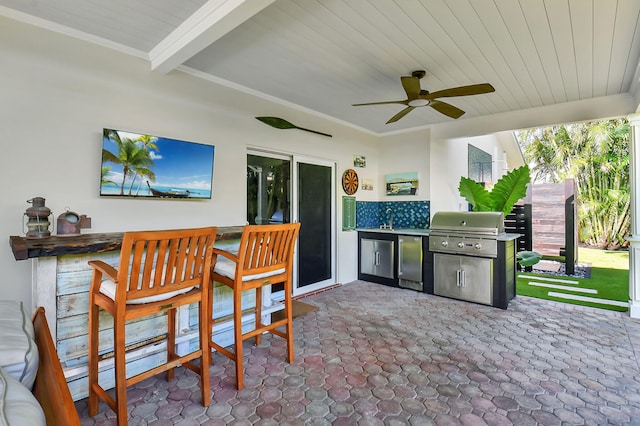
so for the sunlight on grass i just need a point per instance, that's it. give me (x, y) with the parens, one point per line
(609, 276)
(604, 258)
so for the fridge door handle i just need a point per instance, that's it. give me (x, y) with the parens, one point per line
(400, 241)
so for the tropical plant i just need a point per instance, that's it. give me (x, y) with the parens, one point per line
(502, 197)
(528, 258)
(596, 155)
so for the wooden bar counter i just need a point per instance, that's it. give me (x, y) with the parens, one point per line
(29, 248)
(61, 278)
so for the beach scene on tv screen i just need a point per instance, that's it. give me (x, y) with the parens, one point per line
(140, 165)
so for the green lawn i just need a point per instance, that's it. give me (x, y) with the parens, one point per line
(609, 277)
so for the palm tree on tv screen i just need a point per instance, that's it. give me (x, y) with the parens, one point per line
(134, 157)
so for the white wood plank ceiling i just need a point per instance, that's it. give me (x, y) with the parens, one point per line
(325, 55)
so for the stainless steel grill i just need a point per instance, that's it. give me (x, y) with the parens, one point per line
(470, 233)
(465, 245)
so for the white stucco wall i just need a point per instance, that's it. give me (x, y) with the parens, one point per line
(57, 95)
(402, 153)
(449, 162)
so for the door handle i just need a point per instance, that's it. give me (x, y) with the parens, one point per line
(376, 258)
(458, 277)
(400, 241)
(463, 278)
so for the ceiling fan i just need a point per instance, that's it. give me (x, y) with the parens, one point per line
(417, 97)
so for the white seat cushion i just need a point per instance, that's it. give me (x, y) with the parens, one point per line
(18, 406)
(227, 268)
(108, 288)
(18, 349)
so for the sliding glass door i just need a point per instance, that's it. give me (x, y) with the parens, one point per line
(315, 210)
(283, 189)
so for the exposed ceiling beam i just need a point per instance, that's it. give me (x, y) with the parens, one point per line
(212, 21)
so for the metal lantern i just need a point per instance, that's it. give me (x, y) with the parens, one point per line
(37, 218)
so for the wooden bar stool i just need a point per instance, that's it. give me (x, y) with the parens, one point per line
(265, 257)
(158, 271)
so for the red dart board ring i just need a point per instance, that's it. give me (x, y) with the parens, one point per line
(350, 181)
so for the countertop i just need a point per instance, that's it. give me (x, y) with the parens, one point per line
(398, 231)
(425, 232)
(27, 248)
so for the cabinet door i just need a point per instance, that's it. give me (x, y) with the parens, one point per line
(476, 283)
(384, 260)
(367, 256)
(446, 275)
(376, 257)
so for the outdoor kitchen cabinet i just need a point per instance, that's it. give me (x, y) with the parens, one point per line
(396, 260)
(488, 281)
(464, 277)
(376, 258)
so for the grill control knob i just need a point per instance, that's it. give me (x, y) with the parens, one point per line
(444, 243)
(460, 244)
(477, 246)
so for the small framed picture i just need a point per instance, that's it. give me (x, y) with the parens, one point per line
(402, 183)
(359, 161)
(367, 185)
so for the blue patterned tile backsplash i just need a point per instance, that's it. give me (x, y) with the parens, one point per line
(406, 214)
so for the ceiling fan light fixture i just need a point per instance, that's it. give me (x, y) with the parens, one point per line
(418, 102)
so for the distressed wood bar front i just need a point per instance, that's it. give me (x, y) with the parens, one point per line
(60, 283)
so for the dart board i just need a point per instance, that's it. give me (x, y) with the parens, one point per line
(350, 181)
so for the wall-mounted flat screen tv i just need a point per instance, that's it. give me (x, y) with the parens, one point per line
(144, 166)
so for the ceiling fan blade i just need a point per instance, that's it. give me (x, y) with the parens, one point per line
(401, 114)
(411, 85)
(446, 109)
(474, 89)
(405, 102)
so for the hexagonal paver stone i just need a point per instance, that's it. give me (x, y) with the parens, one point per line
(317, 409)
(268, 410)
(243, 410)
(377, 380)
(389, 407)
(545, 418)
(316, 394)
(483, 405)
(495, 419)
(567, 416)
(469, 419)
(383, 392)
(167, 411)
(341, 409)
(413, 406)
(448, 391)
(339, 393)
(357, 379)
(505, 403)
(521, 419)
(549, 402)
(365, 407)
(218, 410)
(292, 410)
